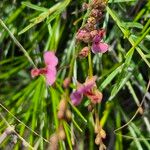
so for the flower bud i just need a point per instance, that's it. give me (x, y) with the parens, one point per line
(85, 6)
(62, 105)
(66, 82)
(68, 114)
(102, 133)
(84, 52)
(94, 12)
(60, 114)
(91, 20)
(97, 140)
(83, 35)
(61, 109)
(61, 133)
(140, 110)
(53, 142)
(93, 33)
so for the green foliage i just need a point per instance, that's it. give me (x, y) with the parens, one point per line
(29, 28)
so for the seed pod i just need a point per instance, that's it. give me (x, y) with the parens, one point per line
(61, 109)
(97, 140)
(90, 107)
(66, 82)
(61, 133)
(62, 105)
(140, 110)
(53, 142)
(60, 114)
(96, 129)
(102, 134)
(68, 114)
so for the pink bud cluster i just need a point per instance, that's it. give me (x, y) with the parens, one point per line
(90, 33)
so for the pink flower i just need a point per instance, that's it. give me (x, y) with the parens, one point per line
(98, 46)
(86, 89)
(49, 71)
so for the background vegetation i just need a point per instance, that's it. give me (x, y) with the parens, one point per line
(28, 28)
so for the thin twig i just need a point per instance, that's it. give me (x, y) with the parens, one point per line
(134, 117)
(7, 132)
(24, 123)
(17, 43)
(13, 130)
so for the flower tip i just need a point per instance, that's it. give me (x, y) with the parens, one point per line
(35, 72)
(104, 47)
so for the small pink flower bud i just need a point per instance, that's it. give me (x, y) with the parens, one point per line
(91, 20)
(84, 52)
(94, 12)
(83, 35)
(85, 6)
(93, 33)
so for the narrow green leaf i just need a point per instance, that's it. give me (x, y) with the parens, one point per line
(17, 43)
(120, 1)
(35, 7)
(132, 25)
(78, 113)
(110, 77)
(67, 131)
(76, 125)
(54, 99)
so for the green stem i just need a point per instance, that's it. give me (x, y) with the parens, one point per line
(90, 64)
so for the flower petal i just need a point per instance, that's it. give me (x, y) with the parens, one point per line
(96, 39)
(50, 75)
(50, 59)
(99, 47)
(76, 97)
(89, 83)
